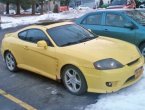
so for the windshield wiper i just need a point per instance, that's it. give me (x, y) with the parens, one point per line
(69, 43)
(86, 39)
(82, 40)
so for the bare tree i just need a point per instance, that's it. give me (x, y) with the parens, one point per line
(33, 6)
(101, 3)
(18, 7)
(42, 6)
(7, 2)
(7, 7)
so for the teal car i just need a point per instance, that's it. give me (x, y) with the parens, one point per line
(127, 25)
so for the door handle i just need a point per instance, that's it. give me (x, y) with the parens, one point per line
(106, 30)
(26, 47)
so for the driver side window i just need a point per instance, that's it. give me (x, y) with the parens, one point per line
(115, 20)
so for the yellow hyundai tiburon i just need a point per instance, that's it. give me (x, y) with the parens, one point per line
(83, 61)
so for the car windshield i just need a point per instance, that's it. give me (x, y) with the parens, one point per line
(70, 34)
(119, 2)
(137, 15)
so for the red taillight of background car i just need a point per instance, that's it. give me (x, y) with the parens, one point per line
(63, 8)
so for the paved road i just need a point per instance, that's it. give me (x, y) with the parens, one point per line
(39, 92)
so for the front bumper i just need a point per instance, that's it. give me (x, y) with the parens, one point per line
(120, 78)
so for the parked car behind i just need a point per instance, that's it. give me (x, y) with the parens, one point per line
(127, 25)
(122, 4)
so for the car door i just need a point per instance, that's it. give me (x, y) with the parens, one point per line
(114, 26)
(93, 22)
(38, 59)
(18, 47)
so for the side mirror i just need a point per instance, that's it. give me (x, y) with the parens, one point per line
(42, 44)
(89, 30)
(129, 25)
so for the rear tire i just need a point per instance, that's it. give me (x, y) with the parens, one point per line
(10, 62)
(74, 80)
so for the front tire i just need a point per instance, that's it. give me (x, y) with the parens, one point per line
(74, 80)
(10, 62)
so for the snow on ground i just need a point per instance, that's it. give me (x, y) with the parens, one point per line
(8, 22)
(130, 98)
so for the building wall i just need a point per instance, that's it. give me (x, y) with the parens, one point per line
(86, 1)
(74, 3)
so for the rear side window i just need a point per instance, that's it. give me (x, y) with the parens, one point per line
(34, 35)
(22, 35)
(93, 19)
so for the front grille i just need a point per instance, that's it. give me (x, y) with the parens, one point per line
(133, 62)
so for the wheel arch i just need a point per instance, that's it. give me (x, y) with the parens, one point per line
(64, 66)
(6, 51)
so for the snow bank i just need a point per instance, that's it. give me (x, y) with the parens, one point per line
(69, 14)
(8, 22)
(131, 98)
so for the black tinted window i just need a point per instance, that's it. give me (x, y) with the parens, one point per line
(34, 35)
(93, 19)
(115, 20)
(69, 34)
(22, 35)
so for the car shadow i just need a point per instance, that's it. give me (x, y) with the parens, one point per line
(58, 91)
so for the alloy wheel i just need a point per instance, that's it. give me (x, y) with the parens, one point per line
(72, 80)
(10, 61)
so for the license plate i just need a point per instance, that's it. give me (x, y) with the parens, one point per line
(138, 72)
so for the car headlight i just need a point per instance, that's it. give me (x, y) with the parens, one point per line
(107, 64)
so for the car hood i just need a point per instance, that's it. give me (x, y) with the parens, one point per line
(103, 47)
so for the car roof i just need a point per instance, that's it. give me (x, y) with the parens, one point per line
(58, 24)
(117, 10)
(46, 25)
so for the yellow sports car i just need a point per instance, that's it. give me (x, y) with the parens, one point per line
(83, 61)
